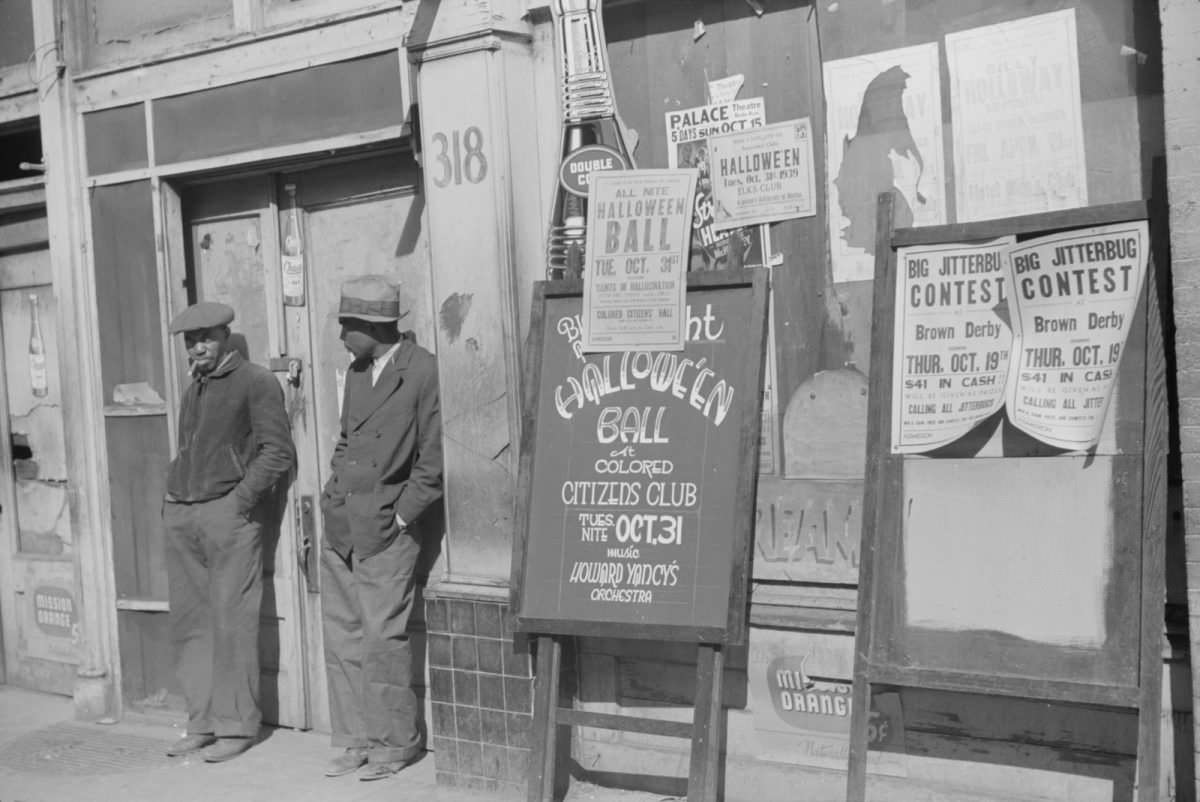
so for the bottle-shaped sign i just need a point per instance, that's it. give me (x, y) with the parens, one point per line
(292, 255)
(37, 351)
(592, 134)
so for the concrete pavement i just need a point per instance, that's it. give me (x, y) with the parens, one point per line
(45, 756)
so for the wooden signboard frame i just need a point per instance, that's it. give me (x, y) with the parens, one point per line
(706, 728)
(1134, 635)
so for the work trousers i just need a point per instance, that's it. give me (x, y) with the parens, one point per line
(368, 657)
(214, 568)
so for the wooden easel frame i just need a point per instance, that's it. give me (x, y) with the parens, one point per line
(706, 731)
(884, 492)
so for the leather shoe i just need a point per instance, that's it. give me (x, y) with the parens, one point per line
(190, 743)
(384, 769)
(348, 761)
(227, 749)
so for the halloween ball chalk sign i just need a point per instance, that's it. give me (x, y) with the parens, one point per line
(638, 471)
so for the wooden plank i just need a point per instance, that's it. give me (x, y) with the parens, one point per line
(817, 619)
(524, 494)
(25, 230)
(1085, 728)
(1153, 531)
(610, 629)
(1029, 688)
(615, 721)
(545, 727)
(706, 727)
(23, 194)
(1023, 225)
(875, 499)
(747, 488)
(391, 133)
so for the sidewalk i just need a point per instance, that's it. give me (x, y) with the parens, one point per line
(46, 756)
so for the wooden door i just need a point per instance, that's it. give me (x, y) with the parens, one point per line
(38, 591)
(232, 257)
(360, 217)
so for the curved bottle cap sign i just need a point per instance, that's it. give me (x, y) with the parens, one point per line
(582, 162)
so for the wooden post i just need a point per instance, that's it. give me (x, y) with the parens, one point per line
(1154, 521)
(878, 424)
(545, 719)
(706, 725)
(97, 687)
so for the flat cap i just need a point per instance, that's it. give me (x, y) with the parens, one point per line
(203, 315)
(372, 298)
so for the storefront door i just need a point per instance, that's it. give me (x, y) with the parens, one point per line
(38, 591)
(331, 223)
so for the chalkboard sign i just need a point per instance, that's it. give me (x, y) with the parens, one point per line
(638, 471)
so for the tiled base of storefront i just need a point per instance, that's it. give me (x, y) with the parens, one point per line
(480, 691)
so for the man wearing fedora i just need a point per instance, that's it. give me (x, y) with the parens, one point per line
(234, 445)
(386, 471)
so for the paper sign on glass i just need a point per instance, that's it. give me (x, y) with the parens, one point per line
(1017, 117)
(763, 175)
(952, 347)
(639, 228)
(1073, 298)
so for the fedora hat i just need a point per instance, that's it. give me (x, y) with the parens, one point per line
(371, 298)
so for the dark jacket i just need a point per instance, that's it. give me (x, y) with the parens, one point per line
(388, 459)
(233, 435)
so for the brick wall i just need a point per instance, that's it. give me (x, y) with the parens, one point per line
(1181, 99)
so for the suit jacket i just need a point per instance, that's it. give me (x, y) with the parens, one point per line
(388, 459)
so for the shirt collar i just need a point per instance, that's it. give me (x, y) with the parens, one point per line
(380, 361)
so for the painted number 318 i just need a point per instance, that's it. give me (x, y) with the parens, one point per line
(459, 156)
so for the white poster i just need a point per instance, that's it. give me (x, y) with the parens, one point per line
(763, 175)
(883, 132)
(1072, 301)
(951, 347)
(1018, 127)
(635, 264)
(688, 132)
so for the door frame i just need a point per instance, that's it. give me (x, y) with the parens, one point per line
(21, 201)
(293, 331)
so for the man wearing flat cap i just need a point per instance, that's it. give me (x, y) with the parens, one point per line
(386, 471)
(234, 445)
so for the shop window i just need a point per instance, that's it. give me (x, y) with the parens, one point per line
(119, 30)
(117, 20)
(16, 33)
(116, 139)
(945, 128)
(131, 333)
